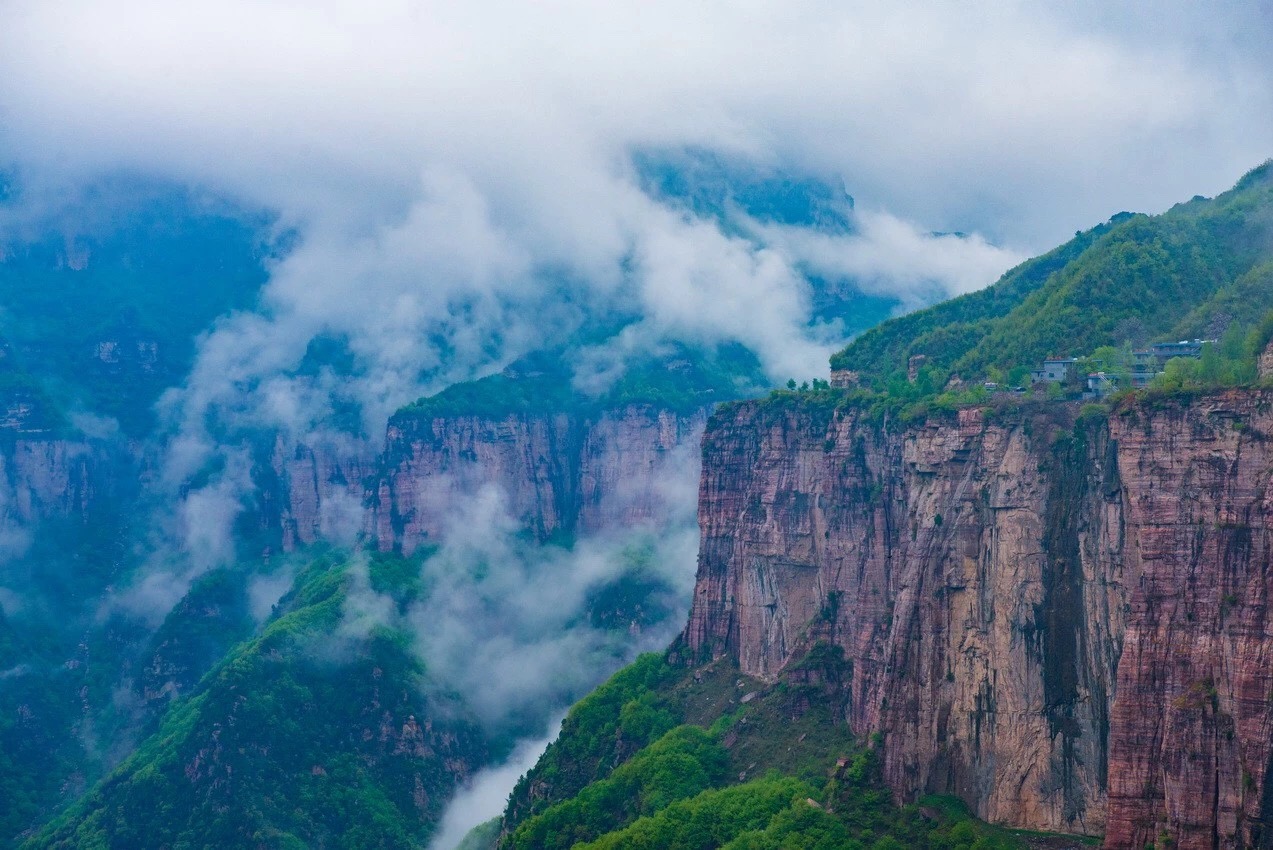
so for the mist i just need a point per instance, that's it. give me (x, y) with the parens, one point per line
(484, 796)
(511, 630)
(462, 186)
(453, 291)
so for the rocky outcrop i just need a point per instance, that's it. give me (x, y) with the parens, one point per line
(843, 379)
(1063, 622)
(1265, 364)
(558, 474)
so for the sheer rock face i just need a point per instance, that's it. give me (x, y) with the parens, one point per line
(554, 474)
(1064, 623)
(54, 489)
(42, 478)
(1266, 362)
(318, 491)
(1191, 724)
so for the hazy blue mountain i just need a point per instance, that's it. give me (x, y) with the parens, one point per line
(104, 294)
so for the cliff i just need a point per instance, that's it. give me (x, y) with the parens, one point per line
(42, 478)
(1064, 623)
(560, 474)
(313, 491)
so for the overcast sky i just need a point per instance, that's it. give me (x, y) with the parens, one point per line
(1018, 120)
(439, 158)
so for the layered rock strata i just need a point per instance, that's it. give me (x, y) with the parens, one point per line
(43, 478)
(557, 475)
(1065, 623)
(316, 491)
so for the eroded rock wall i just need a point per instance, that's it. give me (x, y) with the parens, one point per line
(317, 491)
(43, 478)
(557, 474)
(1062, 622)
(1191, 723)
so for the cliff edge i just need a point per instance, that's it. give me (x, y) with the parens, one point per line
(1063, 621)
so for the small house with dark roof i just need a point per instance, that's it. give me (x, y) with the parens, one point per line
(1053, 370)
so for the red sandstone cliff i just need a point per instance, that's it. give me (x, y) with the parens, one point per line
(316, 490)
(559, 473)
(1064, 623)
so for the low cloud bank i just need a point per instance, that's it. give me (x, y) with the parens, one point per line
(486, 794)
(511, 630)
(463, 183)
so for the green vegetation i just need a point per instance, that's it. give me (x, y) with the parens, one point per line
(711, 819)
(103, 298)
(47, 751)
(34, 757)
(669, 757)
(303, 736)
(684, 380)
(679, 765)
(782, 813)
(102, 313)
(713, 186)
(1201, 269)
(213, 617)
(605, 728)
(1229, 363)
(900, 401)
(315, 729)
(481, 837)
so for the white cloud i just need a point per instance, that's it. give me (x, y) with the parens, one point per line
(456, 170)
(507, 625)
(461, 173)
(485, 795)
(266, 590)
(889, 256)
(933, 109)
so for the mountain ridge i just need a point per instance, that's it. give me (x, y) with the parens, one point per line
(1046, 609)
